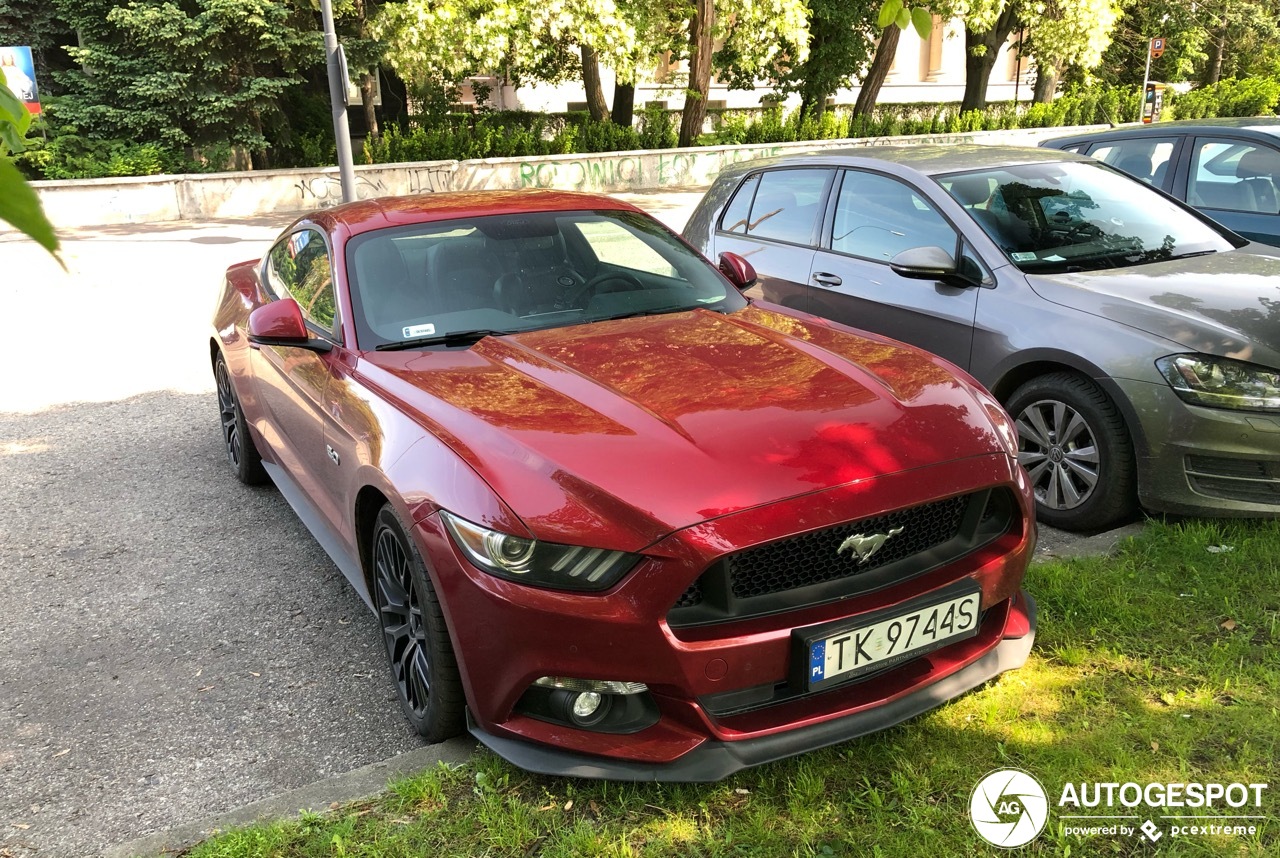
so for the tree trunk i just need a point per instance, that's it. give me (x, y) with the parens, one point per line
(1217, 47)
(695, 100)
(624, 104)
(980, 58)
(1046, 82)
(596, 105)
(366, 100)
(869, 91)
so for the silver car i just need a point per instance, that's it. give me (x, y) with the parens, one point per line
(1135, 342)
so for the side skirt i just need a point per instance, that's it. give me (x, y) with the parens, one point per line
(311, 517)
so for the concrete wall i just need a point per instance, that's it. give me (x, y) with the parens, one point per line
(212, 196)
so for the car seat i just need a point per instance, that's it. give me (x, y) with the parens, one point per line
(1138, 166)
(462, 275)
(1258, 170)
(388, 296)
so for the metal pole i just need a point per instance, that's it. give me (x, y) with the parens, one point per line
(1142, 96)
(337, 66)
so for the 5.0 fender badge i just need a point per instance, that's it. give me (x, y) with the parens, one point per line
(864, 546)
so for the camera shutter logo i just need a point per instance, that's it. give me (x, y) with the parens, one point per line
(1008, 808)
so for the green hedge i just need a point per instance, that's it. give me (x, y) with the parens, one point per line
(463, 136)
(1252, 96)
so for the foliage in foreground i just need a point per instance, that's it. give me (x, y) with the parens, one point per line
(19, 204)
(1155, 665)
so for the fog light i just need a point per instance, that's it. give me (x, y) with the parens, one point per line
(586, 704)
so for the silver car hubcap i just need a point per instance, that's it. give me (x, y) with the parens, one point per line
(1059, 452)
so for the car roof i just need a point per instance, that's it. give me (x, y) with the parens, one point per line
(1260, 126)
(382, 212)
(930, 160)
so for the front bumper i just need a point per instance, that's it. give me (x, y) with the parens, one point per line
(506, 635)
(714, 760)
(1205, 461)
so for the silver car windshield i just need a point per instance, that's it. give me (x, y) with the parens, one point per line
(1078, 216)
(450, 283)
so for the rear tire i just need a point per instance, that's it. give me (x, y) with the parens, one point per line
(419, 650)
(236, 440)
(1074, 444)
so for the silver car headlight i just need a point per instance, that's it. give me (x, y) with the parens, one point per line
(1220, 382)
(542, 564)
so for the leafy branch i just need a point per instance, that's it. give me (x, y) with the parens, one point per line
(19, 204)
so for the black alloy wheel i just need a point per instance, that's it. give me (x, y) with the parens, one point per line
(413, 629)
(241, 452)
(1075, 447)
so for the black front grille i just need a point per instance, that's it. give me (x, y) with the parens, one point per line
(691, 597)
(823, 556)
(1243, 480)
(844, 560)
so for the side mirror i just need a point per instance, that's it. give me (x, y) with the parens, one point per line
(924, 263)
(740, 272)
(280, 324)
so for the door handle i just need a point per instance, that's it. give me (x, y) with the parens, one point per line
(822, 278)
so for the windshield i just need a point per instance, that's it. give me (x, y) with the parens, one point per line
(1078, 216)
(452, 282)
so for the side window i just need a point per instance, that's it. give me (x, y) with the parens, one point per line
(1234, 175)
(787, 205)
(737, 214)
(299, 267)
(614, 245)
(878, 217)
(1145, 158)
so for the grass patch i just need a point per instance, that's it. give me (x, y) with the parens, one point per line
(1157, 664)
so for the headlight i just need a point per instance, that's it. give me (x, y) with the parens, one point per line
(543, 564)
(1222, 382)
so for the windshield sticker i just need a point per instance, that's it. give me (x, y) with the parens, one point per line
(1022, 257)
(412, 331)
(1055, 258)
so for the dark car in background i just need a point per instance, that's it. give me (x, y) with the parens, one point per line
(1135, 342)
(1227, 168)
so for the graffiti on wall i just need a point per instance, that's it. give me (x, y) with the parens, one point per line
(327, 190)
(634, 171)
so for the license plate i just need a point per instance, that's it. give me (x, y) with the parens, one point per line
(849, 652)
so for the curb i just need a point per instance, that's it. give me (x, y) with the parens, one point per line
(316, 797)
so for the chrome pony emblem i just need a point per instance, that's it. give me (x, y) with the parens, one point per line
(865, 547)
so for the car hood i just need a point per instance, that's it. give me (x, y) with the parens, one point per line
(1224, 304)
(637, 427)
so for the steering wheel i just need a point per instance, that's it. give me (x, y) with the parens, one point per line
(592, 286)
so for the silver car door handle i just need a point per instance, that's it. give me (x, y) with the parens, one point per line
(822, 278)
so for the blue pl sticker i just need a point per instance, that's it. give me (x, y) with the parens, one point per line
(818, 661)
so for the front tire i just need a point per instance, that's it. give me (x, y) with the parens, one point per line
(236, 440)
(419, 651)
(1074, 444)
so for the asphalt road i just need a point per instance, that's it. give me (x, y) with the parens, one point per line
(172, 643)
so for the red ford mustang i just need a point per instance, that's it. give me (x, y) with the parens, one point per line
(614, 518)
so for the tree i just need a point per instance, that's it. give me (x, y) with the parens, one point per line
(987, 27)
(187, 73)
(892, 19)
(1067, 32)
(841, 39)
(701, 26)
(442, 42)
(1177, 21)
(19, 204)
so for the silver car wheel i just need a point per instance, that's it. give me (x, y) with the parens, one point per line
(1060, 453)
